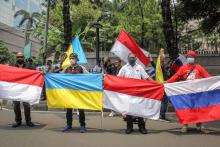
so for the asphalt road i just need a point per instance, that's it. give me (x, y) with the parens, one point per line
(47, 133)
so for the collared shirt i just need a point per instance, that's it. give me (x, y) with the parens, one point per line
(97, 69)
(136, 72)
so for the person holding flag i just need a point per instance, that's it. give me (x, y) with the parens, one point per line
(160, 76)
(74, 68)
(136, 71)
(190, 71)
(20, 63)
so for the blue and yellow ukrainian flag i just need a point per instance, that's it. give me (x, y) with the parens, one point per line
(75, 47)
(80, 91)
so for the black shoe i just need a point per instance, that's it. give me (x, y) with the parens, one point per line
(128, 131)
(164, 119)
(30, 124)
(15, 125)
(143, 131)
(43, 99)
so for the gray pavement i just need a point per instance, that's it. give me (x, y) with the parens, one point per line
(48, 133)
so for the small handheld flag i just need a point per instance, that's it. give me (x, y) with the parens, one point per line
(75, 47)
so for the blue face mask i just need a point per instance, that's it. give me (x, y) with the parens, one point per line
(132, 61)
(190, 60)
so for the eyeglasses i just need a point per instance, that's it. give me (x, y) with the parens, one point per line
(21, 57)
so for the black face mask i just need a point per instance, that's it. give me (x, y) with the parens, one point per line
(20, 61)
(49, 64)
(132, 61)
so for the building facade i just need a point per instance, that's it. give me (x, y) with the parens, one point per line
(10, 33)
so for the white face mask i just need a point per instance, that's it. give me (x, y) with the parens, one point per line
(72, 61)
(190, 60)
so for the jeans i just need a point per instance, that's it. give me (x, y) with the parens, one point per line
(163, 108)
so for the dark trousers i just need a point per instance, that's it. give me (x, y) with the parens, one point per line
(141, 123)
(17, 110)
(69, 117)
(163, 108)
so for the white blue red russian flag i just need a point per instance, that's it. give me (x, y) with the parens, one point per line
(195, 101)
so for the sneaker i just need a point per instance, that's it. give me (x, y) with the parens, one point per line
(204, 130)
(15, 125)
(128, 131)
(164, 119)
(184, 129)
(112, 114)
(66, 128)
(198, 126)
(143, 130)
(82, 129)
(30, 124)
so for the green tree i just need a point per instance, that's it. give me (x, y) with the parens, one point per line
(144, 26)
(6, 57)
(28, 19)
(113, 16)
(207, 11)
(168, 30)
(67, 24)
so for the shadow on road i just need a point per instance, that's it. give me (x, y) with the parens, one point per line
(192, 131)
(23, 127)
(175, 131)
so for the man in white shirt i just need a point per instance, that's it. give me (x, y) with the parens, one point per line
(133, 70)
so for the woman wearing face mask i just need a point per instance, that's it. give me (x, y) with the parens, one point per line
(190, 71)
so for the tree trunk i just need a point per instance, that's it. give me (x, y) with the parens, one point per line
(67, 24)
(27, 34)
(168, 30)
(142, 24)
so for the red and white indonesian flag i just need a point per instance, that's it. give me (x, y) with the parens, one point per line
(133, 96)
(125, 44)
(19, 84)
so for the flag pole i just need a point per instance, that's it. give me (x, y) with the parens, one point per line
(102, 119)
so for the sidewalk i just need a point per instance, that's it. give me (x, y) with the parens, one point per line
(47, 133)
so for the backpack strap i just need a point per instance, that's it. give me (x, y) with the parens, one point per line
(190, 71)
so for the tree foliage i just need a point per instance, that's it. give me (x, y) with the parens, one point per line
(207, 11)
(29, 20)
(168, 29)
(113, 15)
(6, 57)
